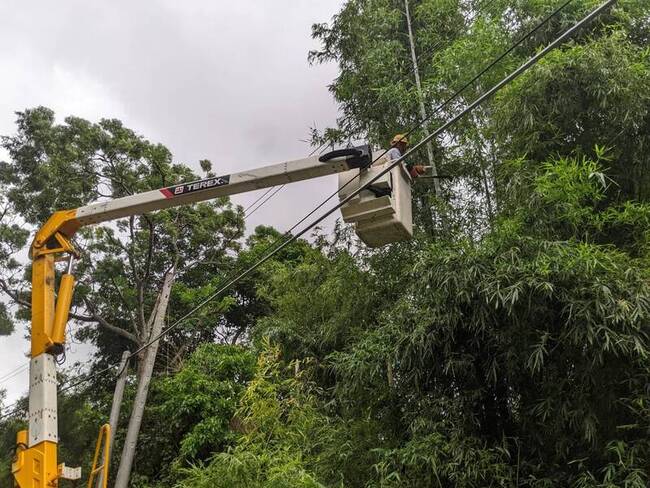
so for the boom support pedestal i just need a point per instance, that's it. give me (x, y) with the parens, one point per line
(35, 464)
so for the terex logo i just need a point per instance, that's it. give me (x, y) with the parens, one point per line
(184, 188)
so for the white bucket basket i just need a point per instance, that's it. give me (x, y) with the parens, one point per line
(382, 214)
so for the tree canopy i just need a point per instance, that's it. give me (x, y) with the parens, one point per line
(507, 344)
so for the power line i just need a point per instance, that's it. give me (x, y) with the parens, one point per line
(13, 372)
(13, 412)
(277, 189)
(246, 214)
(292, 238)
(253, 204)
(15, 375)
(525, 66)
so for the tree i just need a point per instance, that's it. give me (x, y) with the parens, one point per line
(272, 450)
(55, 166)
(189, 414)
(508, 354)
(600, 99)
(12, 239)
(508, 347)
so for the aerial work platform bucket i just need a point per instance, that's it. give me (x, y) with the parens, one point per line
(382, 213)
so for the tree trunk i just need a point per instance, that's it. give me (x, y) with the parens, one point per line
(115, 410)
(144, 378)
(488, 197)
(423, 112)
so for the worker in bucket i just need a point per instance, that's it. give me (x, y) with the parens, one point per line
(399, 145)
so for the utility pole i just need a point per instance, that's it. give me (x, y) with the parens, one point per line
(423, 112)
(118, 394)
(146, 370)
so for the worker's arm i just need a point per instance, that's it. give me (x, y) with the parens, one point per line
(414, 170)
(417, 170)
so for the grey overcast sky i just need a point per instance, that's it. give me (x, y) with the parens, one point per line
(223, 80)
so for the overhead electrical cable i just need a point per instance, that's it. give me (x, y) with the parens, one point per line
(246, 211)
(11, 374)
(513, 75)
(441, 106)
(277, 189)
(292, 238)
(255, 202)
(16, 370)
(15, 375)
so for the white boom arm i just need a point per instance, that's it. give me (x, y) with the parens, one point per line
(206, 189)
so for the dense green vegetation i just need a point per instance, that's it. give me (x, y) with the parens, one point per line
(507, 344)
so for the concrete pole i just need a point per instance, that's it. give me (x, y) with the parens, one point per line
(118, 394)
(146, 370)
(423, 112)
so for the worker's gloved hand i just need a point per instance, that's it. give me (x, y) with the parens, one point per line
(417, 170)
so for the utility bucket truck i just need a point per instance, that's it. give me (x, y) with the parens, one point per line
(381, 214)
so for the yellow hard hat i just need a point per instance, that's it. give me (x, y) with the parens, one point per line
(399, 138)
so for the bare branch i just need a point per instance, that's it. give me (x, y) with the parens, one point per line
(14, 295)
(147, 266)
(107, 325)
(94, 317)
